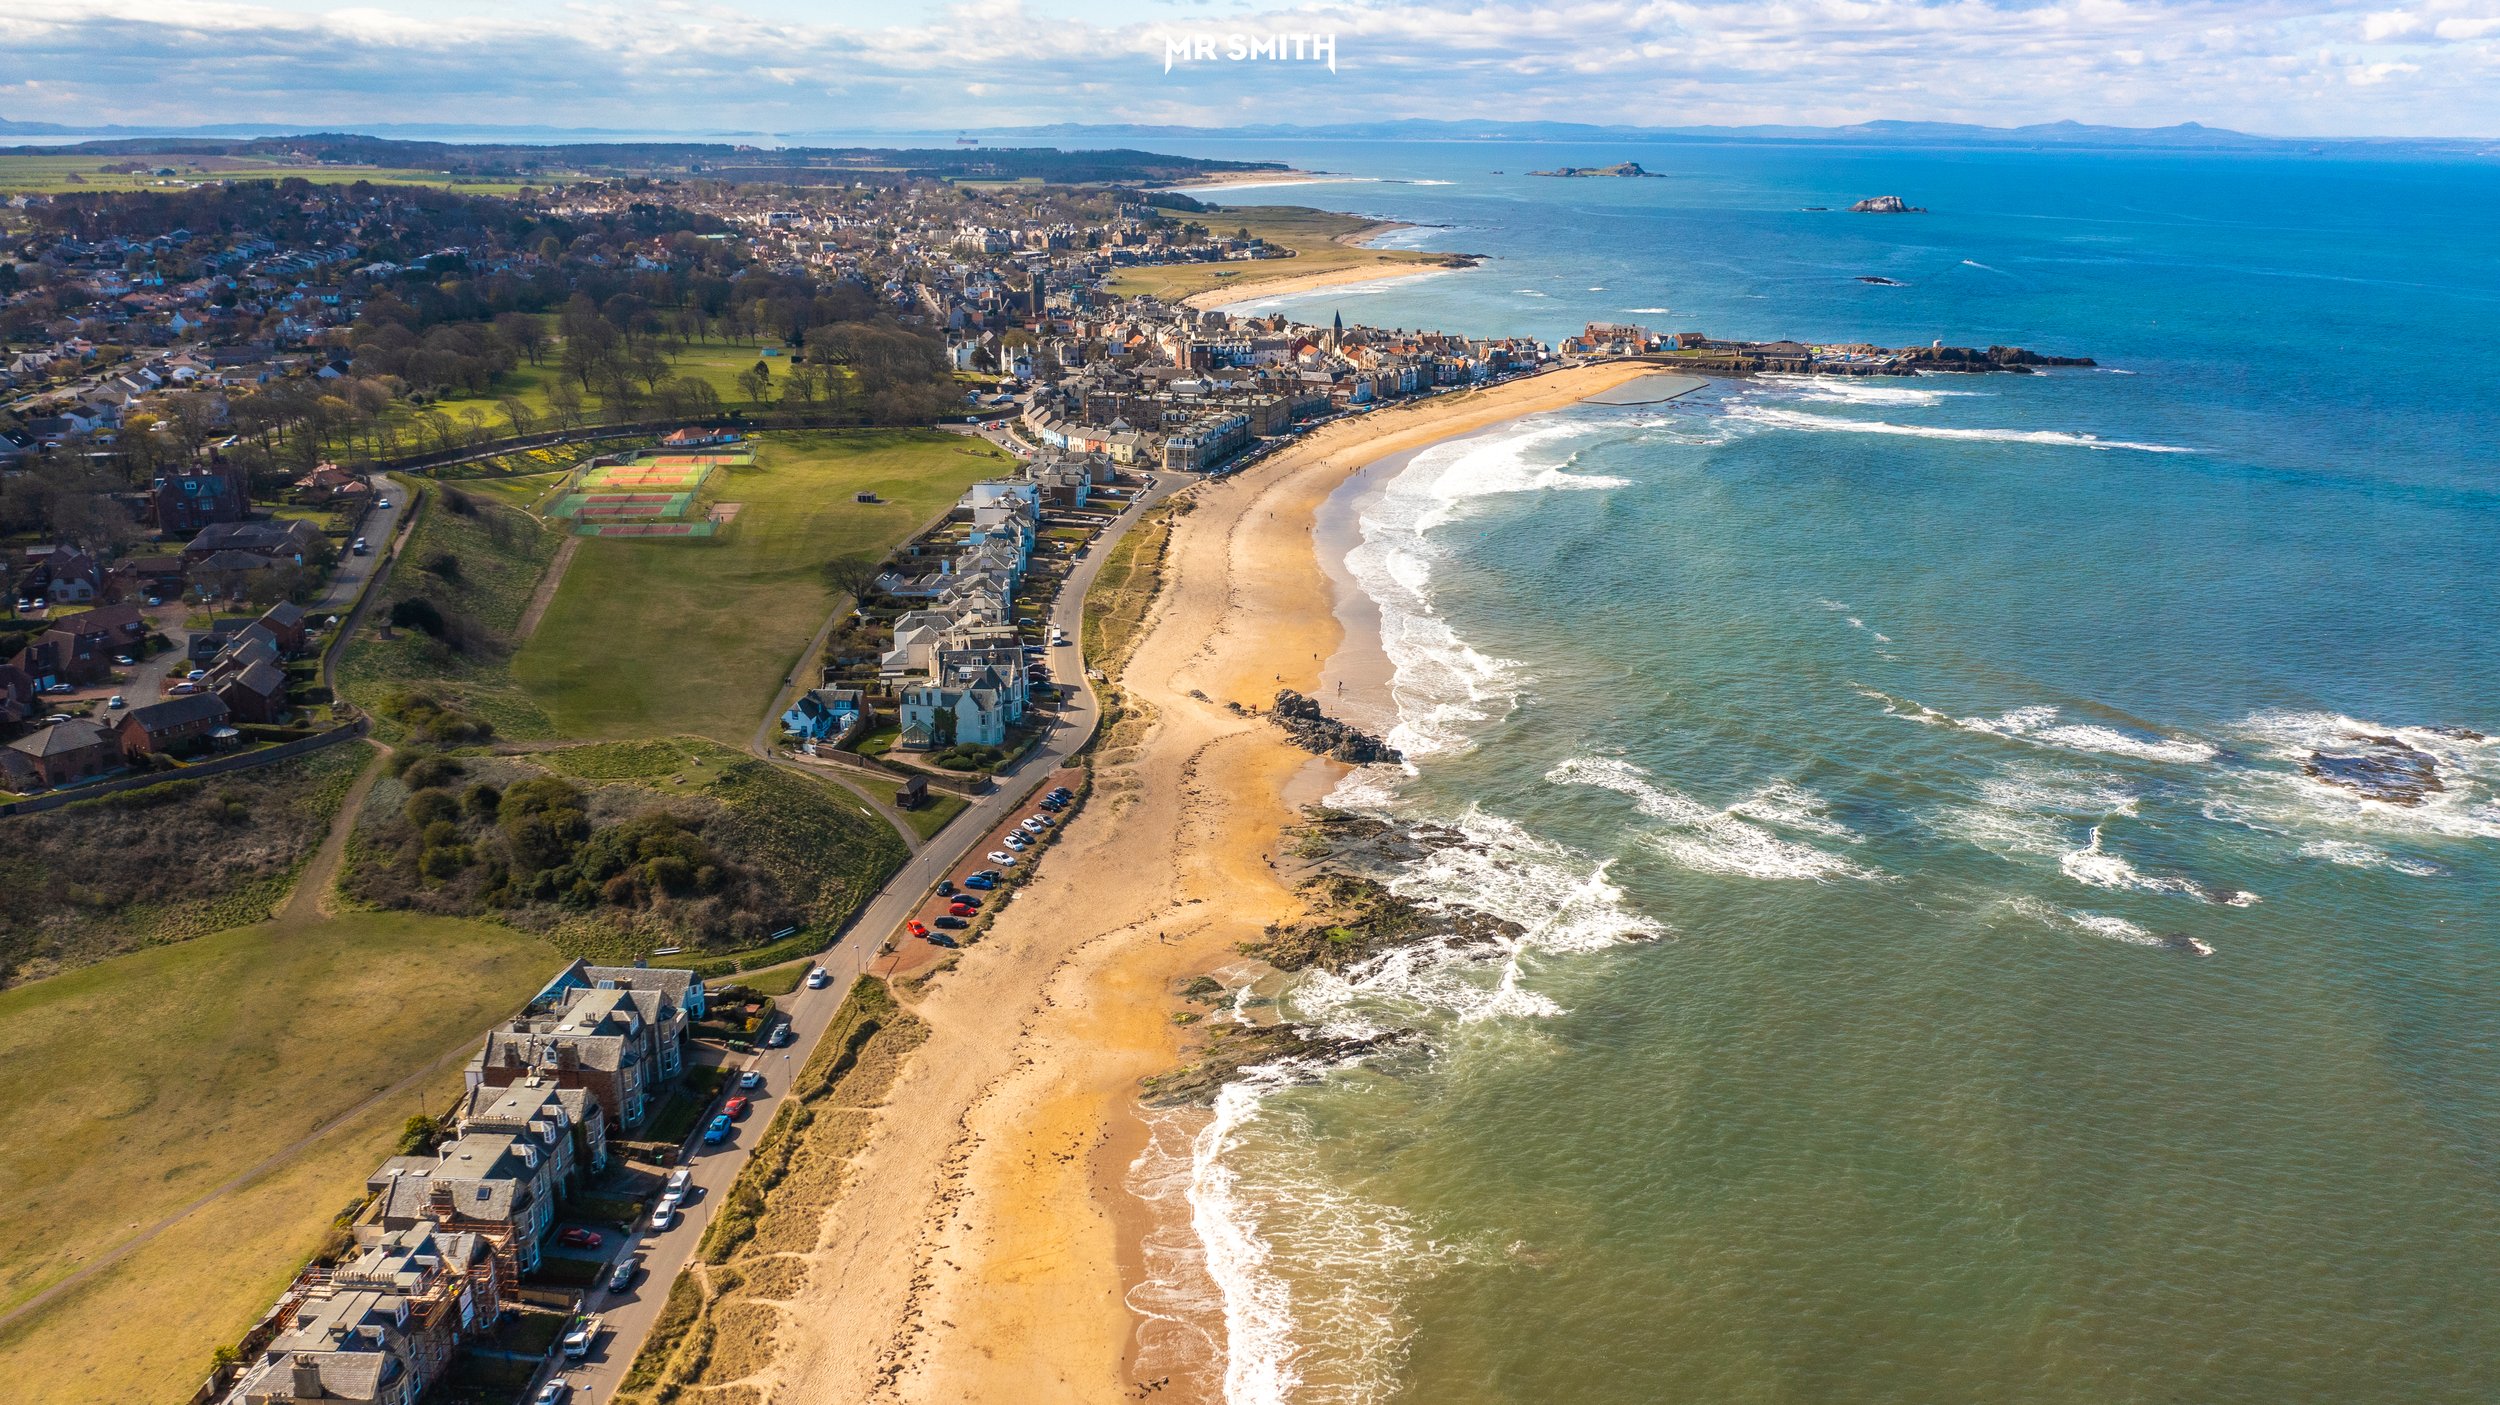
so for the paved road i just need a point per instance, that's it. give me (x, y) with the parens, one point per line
(353, 570)
(629, 1314)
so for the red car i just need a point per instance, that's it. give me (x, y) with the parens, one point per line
(916, 929)
(576, 1237)
(735, 1107)
(962, 910)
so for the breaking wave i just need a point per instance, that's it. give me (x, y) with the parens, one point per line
(2043, 725)
(1774, 418)
(1722, 841)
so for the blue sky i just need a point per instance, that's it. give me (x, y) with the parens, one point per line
(2299, 67)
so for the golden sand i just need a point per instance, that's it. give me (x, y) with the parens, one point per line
(986, 1243)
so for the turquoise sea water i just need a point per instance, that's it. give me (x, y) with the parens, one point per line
(1942, 982)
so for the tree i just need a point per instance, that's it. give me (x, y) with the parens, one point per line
(565, 403)
(517, 414)
(755, 380)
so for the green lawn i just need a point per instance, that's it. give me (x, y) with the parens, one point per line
(1320, 240)
(130, 1088)
(934, 813)
(657, 638)
(56, 174)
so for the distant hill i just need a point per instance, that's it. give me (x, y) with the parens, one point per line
(2184, 136)
(769, 165)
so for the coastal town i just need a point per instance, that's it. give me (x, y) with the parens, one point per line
(298, 483)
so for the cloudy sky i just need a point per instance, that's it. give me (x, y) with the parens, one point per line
(2298, 67)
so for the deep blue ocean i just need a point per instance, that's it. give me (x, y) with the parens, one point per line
(1944, 981)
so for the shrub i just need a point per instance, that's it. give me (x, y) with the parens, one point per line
(482, 801)
(429, 772)
(425, 807)
(444, 565)
(418, 613)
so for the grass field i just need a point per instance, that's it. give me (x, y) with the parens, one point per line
(658, 638)
(715, 363)
(498, 553)
(53, 175)
(1322, 241)
(133, 1087)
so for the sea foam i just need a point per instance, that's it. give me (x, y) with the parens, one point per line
(1772, 417)
(1720, 841)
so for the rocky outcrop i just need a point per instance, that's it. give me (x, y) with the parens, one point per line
(1995, 358)
(1316, 732)
(1886, 205)
(2383, 768)
(1354, 918)
(1625, 169)
(1230, 1048)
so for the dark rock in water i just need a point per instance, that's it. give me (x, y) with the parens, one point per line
(1321, 735)
(1886, 205)
(1880, 281)
(2385, 769)
(1230, 1048)
(1355, 917)
(2462, 734)
(2181, 941)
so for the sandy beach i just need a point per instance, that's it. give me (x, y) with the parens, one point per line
(1290, 284)
(987, 1243)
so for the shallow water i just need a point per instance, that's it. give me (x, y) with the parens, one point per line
(1942, 982)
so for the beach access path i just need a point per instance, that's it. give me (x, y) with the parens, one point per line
(629, 1314)
(986, 1244)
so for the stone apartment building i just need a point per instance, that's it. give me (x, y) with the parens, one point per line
(618, 1033)
(382, 1327)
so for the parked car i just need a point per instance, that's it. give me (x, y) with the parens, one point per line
(818, 978)
(555, 1392)
(735, 1107)
(196, 674)
(1015, 844)
(1034, 824)
(989, 873)
(946, 887)
(124, 660)
(952, 924)
(1000, 856)
(977, 881)
(779, 1036)
(59, 717)
(680, 1181)
(670, 1200)
(941, 939)
(916, 928)
(576, 1237)
(183, 689)
(663, 1218)
(961, 910)
(718, 1129)
(384, 504)
(115, 701)
(752, 1078)
(579, 1335)
(622, 1277)
(360, 548)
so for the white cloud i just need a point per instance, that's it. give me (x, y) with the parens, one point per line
(2284, 65)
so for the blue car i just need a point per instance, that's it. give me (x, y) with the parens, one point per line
(977, 881)
(718, 1129)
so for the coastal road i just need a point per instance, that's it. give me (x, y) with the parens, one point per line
(629, 1314)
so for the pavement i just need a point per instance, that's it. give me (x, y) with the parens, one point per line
(628, 1315)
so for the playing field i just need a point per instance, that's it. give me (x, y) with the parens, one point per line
(651, 636)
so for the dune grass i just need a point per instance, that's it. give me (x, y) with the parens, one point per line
(654, 638)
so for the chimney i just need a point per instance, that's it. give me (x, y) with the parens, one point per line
(308, 1377)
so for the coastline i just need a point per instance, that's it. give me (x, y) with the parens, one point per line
(1259, 288)
(987, 1245)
